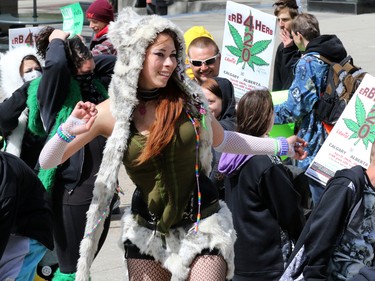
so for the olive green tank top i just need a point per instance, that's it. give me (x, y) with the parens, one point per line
(168, 180)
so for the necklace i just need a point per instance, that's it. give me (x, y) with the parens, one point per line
(196, 124)
(145, 95)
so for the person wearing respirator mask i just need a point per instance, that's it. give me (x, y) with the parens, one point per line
(19, 67)
(30, 68)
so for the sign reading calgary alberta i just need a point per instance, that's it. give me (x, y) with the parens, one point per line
(247, 52)
(350, 140)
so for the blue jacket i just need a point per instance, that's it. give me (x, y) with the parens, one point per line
(309, 81)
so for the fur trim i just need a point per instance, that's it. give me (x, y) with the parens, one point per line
(131, 34)
(10, 62)
(216, 231)
(14, 140)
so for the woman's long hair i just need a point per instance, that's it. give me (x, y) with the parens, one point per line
(42, 40)
(169, 108)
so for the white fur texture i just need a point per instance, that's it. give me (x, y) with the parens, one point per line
(131, 34)
(215, 232)
(10, 63)
(14, 141)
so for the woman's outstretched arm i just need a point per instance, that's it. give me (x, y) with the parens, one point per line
(237, 143)
(86, 122)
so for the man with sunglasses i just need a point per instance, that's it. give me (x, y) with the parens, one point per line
(204, 57)
(287, 53)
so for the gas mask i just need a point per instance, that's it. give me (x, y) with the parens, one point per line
(31, 75)
(84, 80)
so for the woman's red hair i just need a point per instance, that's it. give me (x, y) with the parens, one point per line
(168, 110)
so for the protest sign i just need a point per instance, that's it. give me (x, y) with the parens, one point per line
(23, 36)
(281, 130)
(247, 51)
(350, 140)
(73, 18)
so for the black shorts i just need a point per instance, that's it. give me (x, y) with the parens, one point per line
(133, 252)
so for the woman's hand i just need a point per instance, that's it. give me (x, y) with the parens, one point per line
(81, 119)
(298, 145)
(58, 34)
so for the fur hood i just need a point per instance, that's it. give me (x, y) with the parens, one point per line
(131, 34)
(11, 80)
(10, 63)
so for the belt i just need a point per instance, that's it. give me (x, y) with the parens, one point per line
(206, 212)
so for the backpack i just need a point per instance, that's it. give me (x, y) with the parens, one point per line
(342, 81)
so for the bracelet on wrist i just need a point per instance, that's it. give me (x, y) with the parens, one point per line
(64, 135)
(283, 146)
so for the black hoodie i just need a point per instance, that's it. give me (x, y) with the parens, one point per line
(228, 121)
(24, 203)
(328, 46)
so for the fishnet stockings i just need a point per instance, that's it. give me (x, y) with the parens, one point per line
(206, 267)
(147, 270)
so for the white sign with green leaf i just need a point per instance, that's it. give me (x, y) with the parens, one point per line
(248, 44)
(350, 140)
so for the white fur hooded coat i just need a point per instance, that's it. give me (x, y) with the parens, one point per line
(131, 34)
(11, 80)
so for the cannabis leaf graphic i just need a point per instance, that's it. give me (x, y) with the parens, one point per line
(246, 50)
(364, 128)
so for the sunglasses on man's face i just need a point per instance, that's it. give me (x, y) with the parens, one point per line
(208, 61)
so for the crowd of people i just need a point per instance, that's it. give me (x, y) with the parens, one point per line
(213, 200)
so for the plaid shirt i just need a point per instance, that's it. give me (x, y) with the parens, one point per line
(102, 46)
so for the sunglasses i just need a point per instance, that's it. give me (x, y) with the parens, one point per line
(208, 61)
